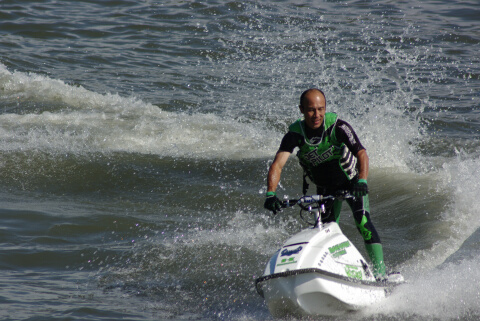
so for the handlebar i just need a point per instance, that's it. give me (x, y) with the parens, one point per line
(309, 199)
(315, 205)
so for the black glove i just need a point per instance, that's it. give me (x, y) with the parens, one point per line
(272, 203)
(360, 188)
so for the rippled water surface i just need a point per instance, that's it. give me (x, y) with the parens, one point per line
(135, 138)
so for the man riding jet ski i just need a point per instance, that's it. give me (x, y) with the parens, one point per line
(333, 159)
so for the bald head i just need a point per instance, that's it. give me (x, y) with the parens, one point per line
(313, 108)
(310, 93)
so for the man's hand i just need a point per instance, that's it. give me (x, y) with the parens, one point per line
(272, 203)
(360, 188)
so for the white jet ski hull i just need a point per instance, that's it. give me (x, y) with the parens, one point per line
(318, 272)
(315, 292)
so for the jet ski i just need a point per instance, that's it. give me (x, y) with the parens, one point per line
(319, 271)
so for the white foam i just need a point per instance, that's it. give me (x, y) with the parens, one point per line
(443, 294)
(92, 122)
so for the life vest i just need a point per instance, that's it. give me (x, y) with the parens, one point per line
(327, 162)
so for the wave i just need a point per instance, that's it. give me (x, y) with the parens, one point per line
(50, 115)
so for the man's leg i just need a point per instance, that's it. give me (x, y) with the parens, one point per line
(332, 211)
(361, 213)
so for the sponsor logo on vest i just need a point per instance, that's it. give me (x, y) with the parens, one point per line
(316, 159)
(349, 134)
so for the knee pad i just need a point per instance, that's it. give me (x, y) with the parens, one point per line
(365, 227)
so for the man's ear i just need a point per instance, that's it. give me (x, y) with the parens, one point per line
(301, 108)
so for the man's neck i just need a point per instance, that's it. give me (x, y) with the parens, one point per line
(314, 132)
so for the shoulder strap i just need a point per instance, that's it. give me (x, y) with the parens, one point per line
(305, 183)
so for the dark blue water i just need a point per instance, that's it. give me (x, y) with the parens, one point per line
(135, 138)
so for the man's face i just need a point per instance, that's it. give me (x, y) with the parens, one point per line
(313, 109)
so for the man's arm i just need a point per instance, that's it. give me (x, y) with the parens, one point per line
(347, 135)
(275, 170)
(362, 159)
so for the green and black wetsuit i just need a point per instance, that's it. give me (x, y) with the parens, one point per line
(328, 157)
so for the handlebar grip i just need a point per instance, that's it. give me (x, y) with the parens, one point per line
(289, 203)
(344, 194)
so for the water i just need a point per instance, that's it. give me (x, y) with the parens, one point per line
(136, 137)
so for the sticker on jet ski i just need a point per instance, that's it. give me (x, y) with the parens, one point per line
(339, 249)
(353, 272)
(287, 252)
